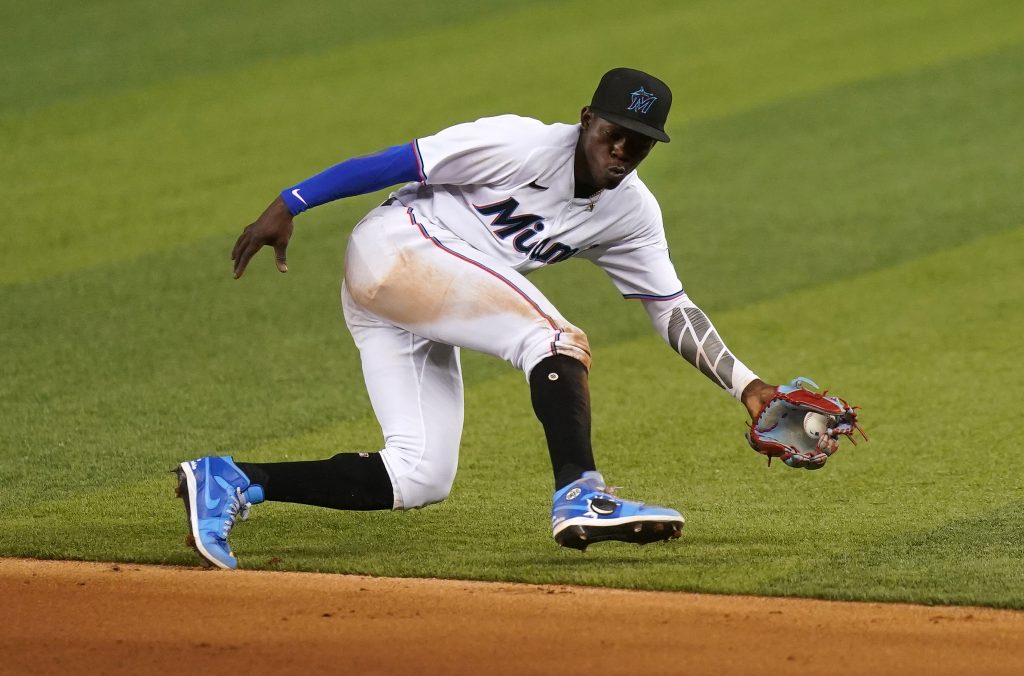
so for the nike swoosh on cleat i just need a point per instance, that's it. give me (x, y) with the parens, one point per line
(298, 196)
(210, 504)
(535, 186)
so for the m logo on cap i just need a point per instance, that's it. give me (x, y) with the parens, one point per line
(627, 97)
(642, 101)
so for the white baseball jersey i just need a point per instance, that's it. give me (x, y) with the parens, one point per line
(505, 185)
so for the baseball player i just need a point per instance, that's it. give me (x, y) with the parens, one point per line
(440, 266)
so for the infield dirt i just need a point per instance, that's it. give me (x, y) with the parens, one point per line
(102, 618)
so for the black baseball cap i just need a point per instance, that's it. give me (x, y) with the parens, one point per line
(635, 100)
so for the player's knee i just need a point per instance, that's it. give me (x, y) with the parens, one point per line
(427, 489)
(422, 478)
(427, 495)
(568, 341)
(573, 342)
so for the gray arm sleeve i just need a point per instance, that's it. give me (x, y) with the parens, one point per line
(690, 333)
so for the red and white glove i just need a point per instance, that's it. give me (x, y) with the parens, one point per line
(802, 427)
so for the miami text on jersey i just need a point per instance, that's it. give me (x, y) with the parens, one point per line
(524, 230)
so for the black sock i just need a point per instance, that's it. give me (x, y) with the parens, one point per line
(346, 481)
(561, 399)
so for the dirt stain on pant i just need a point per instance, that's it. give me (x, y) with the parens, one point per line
(408, 286)
(410, 281)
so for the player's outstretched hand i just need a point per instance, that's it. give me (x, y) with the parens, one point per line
(756, 395)
(272, 228)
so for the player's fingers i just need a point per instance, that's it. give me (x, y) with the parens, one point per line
(243, 258)
(280, 256)
(239, 245)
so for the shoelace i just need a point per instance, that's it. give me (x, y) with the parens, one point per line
(614, 492)
(238, 509)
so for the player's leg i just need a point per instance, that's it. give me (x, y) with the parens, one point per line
(415, 388)
(435, 285)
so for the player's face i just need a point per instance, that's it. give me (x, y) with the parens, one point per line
(609, 151)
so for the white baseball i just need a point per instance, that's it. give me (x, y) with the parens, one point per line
(815, 424)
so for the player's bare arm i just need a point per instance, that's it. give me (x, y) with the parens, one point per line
(273, 228)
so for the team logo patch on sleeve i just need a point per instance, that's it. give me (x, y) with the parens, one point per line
(642, 101)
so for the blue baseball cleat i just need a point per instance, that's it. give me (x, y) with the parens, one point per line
(586, 511)
(216, 494)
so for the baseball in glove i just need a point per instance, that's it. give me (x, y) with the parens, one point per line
(802, 427)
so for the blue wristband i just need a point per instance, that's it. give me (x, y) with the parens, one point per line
(357, 176)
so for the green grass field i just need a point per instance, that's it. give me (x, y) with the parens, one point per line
(843, 194)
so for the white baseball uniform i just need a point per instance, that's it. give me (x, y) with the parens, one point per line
(441, 266)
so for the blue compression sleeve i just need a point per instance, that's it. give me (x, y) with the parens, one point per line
(357, 176)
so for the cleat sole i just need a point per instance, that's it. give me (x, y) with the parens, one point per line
(641, 532)
(181, 491)
(573, 537)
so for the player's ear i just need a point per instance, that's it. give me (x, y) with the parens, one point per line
(586, 116)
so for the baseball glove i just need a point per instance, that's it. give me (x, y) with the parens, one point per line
(802, 427)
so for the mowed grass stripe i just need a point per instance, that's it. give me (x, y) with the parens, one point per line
(117, 175)
(128, 44)
(913, 515)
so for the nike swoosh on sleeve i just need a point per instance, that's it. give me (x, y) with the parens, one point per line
(298, 196)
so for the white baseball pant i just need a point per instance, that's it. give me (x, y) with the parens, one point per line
(413, 295)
